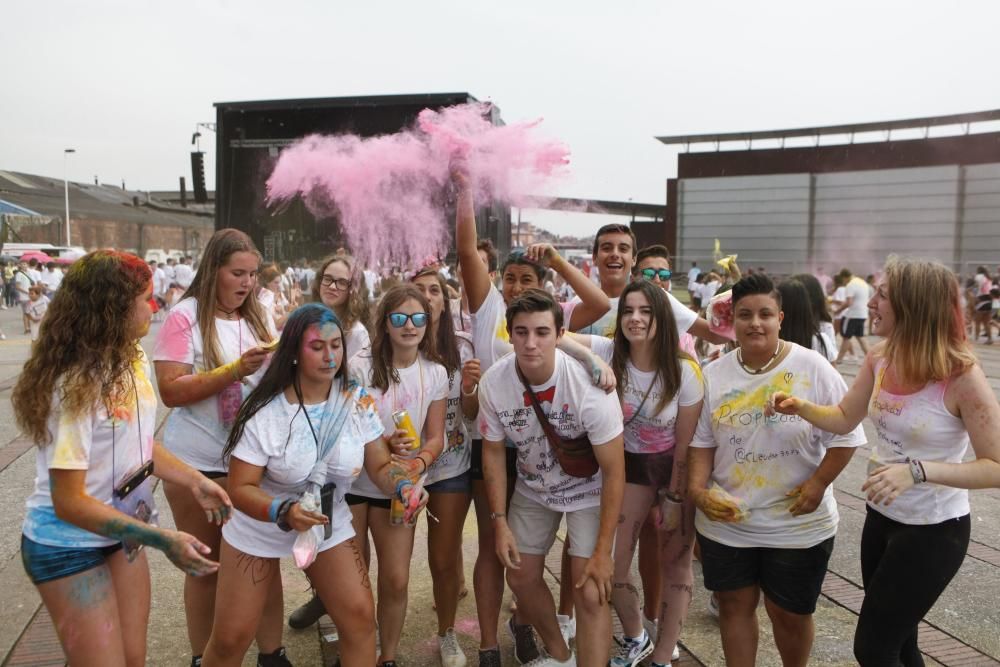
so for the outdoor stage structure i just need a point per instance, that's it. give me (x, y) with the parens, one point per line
(250, 135)
(850, 196)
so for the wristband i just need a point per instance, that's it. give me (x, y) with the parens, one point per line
(917, 472)
(273, 508)
(399, 488)
(283, 510)
(234, 368)
(427, 464)
(475, 388)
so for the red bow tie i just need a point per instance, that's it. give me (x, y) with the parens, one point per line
(546, 395)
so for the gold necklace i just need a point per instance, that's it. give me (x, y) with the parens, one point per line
(777, 351)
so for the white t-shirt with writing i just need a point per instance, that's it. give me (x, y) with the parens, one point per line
(195, 433)
(574, 407)
(759, 458)
(649, 433)
(858, 289)
(683, 316)
(278, 439)
(456, 457)
(420, 384)
(109, 444)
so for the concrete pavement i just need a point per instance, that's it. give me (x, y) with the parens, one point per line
(963, 628)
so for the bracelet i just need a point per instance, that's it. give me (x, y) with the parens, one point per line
(917, 472)
(427, 464)
(673, 496)
(283, 510)
(234, 368)
(273, 509)
(475, 388)
(399, 488)
(419, 458)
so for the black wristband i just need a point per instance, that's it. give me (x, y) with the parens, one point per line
(283, 510)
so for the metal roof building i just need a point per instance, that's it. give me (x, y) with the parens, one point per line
(844, 195)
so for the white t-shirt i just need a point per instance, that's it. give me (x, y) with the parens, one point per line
(159, 282)
(575, 408)
(858, 310)
(278, 439)
(357, 339)
(195, 433)
(650, 433)
(840, 296)
(456, 457)
(22, 282)
(420, 384)
(708, 290)
(824, 344)
(183, 275)
(683, 316)
(170, 272)
(693, 278)
(759, 458)
(110, 447)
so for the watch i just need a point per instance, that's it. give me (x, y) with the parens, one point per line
(497, 515)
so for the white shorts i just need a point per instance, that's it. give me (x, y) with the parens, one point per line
(265, 540)
(534, 526)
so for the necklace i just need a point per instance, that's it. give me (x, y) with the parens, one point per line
(777, 351)
(227, 313)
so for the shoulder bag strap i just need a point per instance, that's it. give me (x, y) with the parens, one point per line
(550, 433)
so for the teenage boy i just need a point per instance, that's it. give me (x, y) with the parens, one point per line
(491, 340)
(614, 255)
(543, 492)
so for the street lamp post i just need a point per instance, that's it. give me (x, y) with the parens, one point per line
(66, 152)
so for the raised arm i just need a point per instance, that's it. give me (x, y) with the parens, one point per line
(594, 303)
(840, 419)
(475, 274)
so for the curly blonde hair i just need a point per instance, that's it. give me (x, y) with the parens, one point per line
(86, 345)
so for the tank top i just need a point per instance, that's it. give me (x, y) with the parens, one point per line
(918, 426)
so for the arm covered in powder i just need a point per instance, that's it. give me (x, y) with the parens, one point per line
(475, 274)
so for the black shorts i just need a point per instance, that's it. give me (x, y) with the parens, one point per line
(214, 474)
(649, 469)
(790, 578)
(353, 499)
(854, 327)
(476, 467)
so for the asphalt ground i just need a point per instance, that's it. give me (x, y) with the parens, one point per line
(962, 629)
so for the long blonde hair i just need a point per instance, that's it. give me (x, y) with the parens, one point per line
(223, 245)
(928, 341)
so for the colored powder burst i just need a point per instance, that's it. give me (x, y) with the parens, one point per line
(390, 193)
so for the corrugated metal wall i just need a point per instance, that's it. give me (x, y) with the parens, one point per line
(792, 222)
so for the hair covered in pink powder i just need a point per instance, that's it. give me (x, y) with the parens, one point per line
(389, 192)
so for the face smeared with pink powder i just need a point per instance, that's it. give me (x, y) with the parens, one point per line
(388, 191)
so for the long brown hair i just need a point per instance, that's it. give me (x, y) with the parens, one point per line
(383, 372)
(223, 245)
(86, 345)
(443, 333)
(667, 354)
(357, 296)
(928, 341)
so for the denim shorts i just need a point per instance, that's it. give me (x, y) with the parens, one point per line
(44, 563)
(461, 483)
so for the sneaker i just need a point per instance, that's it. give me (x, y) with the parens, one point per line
(525, 646)
(546, 660)
(307, 614)
(713, 606)
(632, 651)
(567, 626)
(676, 653)
(490, 657)
(276, 659)
(649, 625)
(451, 652)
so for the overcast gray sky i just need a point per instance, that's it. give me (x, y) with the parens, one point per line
(125, 82)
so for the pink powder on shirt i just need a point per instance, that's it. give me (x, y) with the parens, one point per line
(391, 193)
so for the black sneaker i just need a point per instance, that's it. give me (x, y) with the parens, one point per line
(196, 661)
(387, 663)
(490, 657)
(276, 659)
(307, 614)
(525, 647)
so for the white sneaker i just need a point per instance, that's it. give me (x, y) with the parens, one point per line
(567, 626)
(451, 652)
(713, 606)
(649, 626)
(676, 653)
(632, 651)
(546, 660)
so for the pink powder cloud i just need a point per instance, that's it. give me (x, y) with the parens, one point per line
(391, 192)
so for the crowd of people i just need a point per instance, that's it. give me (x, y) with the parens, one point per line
(315, 409)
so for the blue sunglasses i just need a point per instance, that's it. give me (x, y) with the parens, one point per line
(398, 320)
(662, 274)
